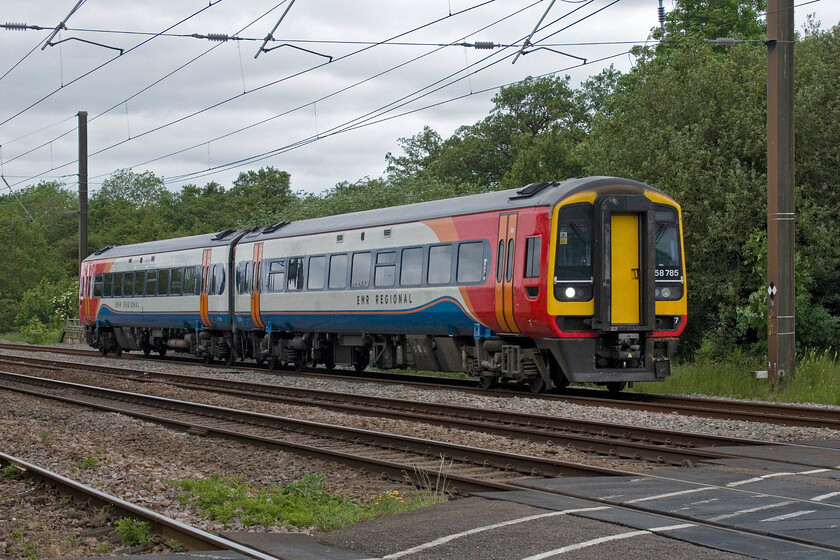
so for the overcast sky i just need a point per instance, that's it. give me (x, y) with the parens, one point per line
(323, 120)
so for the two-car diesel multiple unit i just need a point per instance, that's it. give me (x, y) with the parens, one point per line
(577, 281)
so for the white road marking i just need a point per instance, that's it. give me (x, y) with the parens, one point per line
(671, 494)
(825, 496)
(593, 542)
(749, 510)
(788, 516)
(774, 475)
(450, 538)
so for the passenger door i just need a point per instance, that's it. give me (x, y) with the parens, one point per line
(624, 269)
(505, 265)
(255, 285)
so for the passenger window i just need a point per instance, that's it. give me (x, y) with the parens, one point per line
(276, 276)
(151, 282)
(338, 271)
(118, 284)
(189, 281)
(317, 272)
(411, 267)
(440, 264)
(500, 262)
(294, 281)
(510, 257)
(163, 282)
(386, 267)
(108, 285)
(470, 262)
(360, 273)
(176, 275)
(532, 257)
(97, 286)
(128, 290)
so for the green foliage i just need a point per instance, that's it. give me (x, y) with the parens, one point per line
(35, 332)
(11, 472)
(302, 503)
(817, 378)
(88, 464)
(133, 532)
(47, 305)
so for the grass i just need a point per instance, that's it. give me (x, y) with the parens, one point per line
(816, 380)
(303, 503)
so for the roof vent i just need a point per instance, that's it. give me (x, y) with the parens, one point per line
(222, 234)
(387, 232)
(274, 227)
(104, 249)
(339, 238)
(532, 189)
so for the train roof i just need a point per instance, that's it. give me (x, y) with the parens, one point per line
(203, 241)
(535, 194)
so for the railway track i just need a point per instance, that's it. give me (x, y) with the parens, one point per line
(189, 537)
(747, 411)
(614, 440)
(471, 474)
(466, 469)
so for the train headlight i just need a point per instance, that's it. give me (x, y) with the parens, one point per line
(669, 293)
(570, 292)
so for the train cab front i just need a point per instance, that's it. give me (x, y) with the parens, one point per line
(617, 296)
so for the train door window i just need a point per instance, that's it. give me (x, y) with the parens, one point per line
(241, 287)
(386, 267)
(360, 272)
(219, 278)
(276, 278)
(176, 277)
(190, 276)
(317, 273)
(510, 256)
(338, 272)
(118, 284)
(151, 282)
(470, 262)
(294, 281)
(411, 266)
(128, 286)
(573, 260)
(440, 264)
(108, 285)
(500, 262)
(97, 286)
(163, 282)
(532, 257)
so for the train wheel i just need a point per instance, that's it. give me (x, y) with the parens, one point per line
(162, 352)
(208, 359)
(487, 381)
(273, 363)
(103, 350)
(615, 386)
(329, 364)
(299, 364)
(118, 351)
(536, 384)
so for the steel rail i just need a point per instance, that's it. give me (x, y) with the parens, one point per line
(190, 537)
(751, 411)
(485, 469)
(615, 440)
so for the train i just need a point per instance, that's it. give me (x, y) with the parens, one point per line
(575, 281)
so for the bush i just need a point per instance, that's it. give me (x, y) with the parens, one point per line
(133, 532)
(35, 332)
(50, 303)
